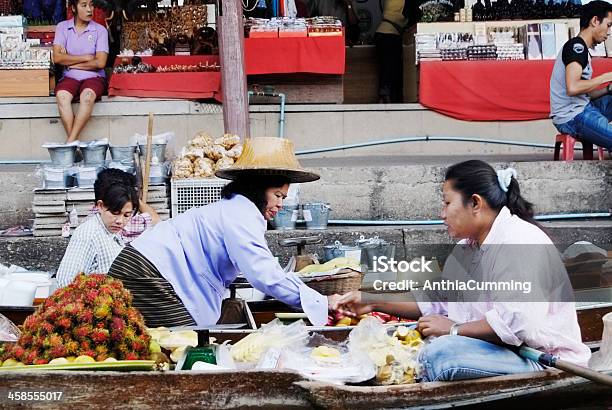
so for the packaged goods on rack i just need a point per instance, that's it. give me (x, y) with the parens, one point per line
(16, 52)
(162, 31)
(493, 40)
(203, 156)
(485, 52)
(292, 27)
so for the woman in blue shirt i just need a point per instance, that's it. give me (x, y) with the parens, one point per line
(179, 270)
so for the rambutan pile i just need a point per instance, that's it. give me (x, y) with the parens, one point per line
(92, 316)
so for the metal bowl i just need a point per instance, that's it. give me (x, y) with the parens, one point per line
(94, 155)
(123, 153)
(62, 155)
(157, 150)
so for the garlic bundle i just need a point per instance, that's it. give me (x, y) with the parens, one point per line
(203, 156)
(203, 168)
(182, 168)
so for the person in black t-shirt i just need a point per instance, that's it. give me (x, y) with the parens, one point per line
(579, 106)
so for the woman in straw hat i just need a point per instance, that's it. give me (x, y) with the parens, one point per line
(178, 271)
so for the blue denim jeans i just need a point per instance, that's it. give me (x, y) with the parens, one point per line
(458, 357)
(592, 124)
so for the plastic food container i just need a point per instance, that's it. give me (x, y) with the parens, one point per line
(57, 177)
(86, 176)
(158, 174)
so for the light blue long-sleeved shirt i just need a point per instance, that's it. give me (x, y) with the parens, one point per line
(201, 251)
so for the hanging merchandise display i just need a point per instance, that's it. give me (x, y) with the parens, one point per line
(183, 27)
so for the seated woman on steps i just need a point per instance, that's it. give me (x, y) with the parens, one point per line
(81, 46)
(476, 332)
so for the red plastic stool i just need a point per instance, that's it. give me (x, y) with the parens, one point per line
(565, 143)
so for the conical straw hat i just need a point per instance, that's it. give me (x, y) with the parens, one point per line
(602, 359)
(268, 156)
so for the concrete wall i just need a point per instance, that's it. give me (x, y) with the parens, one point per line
(401, 189)
(46, 253)
(16, 185)
(414, 191)
(25, 124)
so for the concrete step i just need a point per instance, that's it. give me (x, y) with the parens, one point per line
(27, 123)
(409, 188)
(398, 188)
(410, 241)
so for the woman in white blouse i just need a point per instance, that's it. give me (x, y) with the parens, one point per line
(500, 243)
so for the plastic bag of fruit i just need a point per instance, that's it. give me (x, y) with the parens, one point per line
(327, 360)
(8, 331)
(393, 350)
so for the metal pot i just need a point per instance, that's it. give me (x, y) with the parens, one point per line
(285, 218)
(123, 153)
(157, 151)
(374, 248)
(316, 215)
(62, 155)
(94, 155)
(338, 250)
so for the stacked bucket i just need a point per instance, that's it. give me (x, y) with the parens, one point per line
(314, 214)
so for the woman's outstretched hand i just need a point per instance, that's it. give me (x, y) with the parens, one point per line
(349, 304)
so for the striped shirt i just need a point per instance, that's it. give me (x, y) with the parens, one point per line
(92, 249)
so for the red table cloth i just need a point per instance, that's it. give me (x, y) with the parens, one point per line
(491, 90)
(188, 85)
(318, 55)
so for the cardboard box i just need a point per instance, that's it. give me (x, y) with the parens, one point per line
(547, 31)
(561, 36)
(292, 33)
(263, 34)
(12, 21)
(24, 83)
(534, 42)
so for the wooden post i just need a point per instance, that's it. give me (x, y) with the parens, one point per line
(233, 72)
(147, 165)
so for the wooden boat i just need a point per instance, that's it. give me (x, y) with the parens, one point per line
(272, 389)
(288, 390)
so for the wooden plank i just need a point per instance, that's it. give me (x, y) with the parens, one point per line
(361, 77)
(233, 75)
(591, 323)
(41, 29)
(159, 390)
(300, 88)
(24, 83)
(46, 209)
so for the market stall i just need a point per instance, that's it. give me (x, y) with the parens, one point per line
(24, 63)
(188, 77)
(276, 51)
(191, 77)
(316, 55)
(491, 90)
